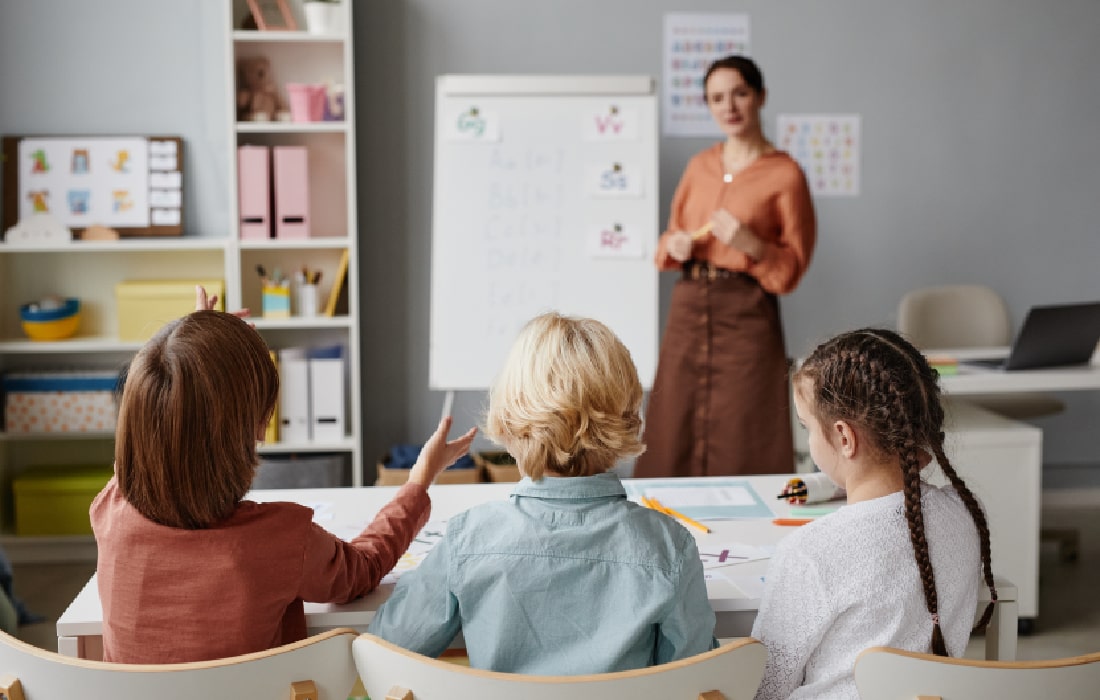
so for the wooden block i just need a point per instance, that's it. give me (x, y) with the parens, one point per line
(398, 693)
(10, 688)
(712, 695)
(303, 690)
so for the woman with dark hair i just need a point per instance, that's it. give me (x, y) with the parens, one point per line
(741, 232)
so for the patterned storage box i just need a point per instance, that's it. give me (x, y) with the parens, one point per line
(59, 402)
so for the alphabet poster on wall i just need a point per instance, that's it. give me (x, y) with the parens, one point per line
(827, 147)
(692, 42)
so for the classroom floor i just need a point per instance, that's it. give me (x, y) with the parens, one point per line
(1068, 624)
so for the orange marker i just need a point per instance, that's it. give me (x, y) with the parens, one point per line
(792, 522)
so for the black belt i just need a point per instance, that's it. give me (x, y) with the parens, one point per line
(699, 270)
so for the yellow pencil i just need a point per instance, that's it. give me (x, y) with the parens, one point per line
(703, 230)
(657, 505)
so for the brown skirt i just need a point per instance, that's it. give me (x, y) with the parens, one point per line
(720, 401)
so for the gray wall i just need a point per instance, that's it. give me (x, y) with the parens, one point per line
(980, 159)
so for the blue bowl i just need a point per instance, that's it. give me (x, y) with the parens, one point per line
(69, 308)
(51, 324)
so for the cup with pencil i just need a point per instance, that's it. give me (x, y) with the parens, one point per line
(276, 293)
(308, 299)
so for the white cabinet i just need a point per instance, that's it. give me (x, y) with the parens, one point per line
(1001, 460)
(302, 58)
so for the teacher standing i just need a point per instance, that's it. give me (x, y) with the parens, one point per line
(741, 232)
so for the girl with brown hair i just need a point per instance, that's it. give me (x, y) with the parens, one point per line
(187, 569)
(900, 564)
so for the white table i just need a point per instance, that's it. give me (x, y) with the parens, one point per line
(977, 380)
(80, 627)
(1004, 461)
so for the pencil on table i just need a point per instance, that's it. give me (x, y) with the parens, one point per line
(657, 505)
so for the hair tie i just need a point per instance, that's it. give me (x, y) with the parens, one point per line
(936, 619)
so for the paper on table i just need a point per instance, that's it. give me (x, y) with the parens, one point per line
(707, 496)
(751, 586)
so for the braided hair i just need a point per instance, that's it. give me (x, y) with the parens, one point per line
(878, 381)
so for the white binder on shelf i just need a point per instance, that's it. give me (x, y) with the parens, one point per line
(326, 394)
(294, 396)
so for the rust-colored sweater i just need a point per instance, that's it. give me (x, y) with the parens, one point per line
(770, 196)
(172, 595)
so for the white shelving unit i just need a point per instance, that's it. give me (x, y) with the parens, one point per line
(302, 57)
(90, 270)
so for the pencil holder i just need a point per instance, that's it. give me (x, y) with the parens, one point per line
(276, 301)
(307, 300)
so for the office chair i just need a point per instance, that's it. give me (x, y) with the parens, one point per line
(973, 315)
(969, 316)
(317, 668)
(388, 672)
(891, 674)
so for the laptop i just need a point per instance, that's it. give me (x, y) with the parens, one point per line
(1060, 335)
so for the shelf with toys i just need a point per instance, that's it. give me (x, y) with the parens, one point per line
(293, 247)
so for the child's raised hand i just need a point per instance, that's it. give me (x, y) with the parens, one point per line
(438, 454)
(207, 303)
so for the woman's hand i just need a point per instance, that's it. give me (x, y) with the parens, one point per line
(731, 232)
(679, 246)
(438, 454)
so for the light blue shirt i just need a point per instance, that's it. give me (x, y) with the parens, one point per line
(566, 577)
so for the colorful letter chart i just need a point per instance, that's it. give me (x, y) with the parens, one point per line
(827, 148)
(692, 42)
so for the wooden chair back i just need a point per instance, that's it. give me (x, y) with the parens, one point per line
(317, 668)
(891, 674)
(732, 672)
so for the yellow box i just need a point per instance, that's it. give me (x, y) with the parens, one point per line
(55, 500)
(146, 305)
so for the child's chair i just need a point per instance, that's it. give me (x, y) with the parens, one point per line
(318, 668)
(732, 672)
(891, 674)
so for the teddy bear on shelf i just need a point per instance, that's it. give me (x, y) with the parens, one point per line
(257, 97)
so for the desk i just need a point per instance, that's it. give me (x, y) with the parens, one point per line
(1002, 459)
(79, 629)
(976, 380)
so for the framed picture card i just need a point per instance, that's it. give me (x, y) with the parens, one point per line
(272, 14)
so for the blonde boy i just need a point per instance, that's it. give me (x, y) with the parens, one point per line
(567, 576)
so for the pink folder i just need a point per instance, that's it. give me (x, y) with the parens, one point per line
(254, 192)
(291, 192)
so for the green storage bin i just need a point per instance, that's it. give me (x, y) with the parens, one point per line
(55, 500)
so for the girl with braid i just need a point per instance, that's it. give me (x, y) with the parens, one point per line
(900, 565)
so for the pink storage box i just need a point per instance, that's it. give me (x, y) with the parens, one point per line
(291, 192)
(254, 191)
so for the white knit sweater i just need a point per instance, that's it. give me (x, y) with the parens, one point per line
(848, 581)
